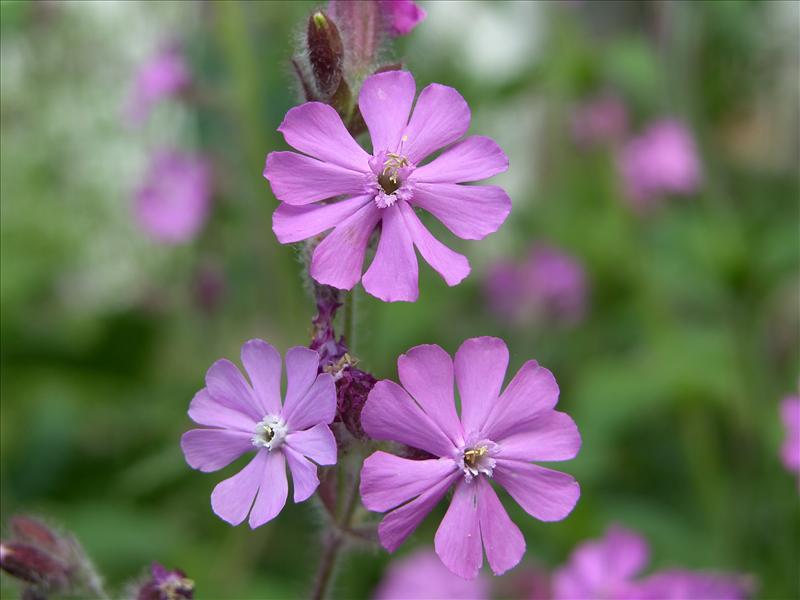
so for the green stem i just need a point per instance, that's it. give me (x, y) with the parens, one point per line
(349, 327)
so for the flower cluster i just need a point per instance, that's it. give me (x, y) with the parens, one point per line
(173, 202)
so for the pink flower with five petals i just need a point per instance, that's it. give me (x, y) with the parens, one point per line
(243, 417)
(382, 190)
(495, 438)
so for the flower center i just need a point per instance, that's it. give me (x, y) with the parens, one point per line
(269, 433)
(389, 178)
(476, 458)
(388, 181)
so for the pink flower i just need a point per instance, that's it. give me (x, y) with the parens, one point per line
(173, 203)
(607, 568)
(421, 576)
(688, 585)
(496, 437)
(245, 417)
(381, 191)
(790, 450)
(663, 160)
(403, 15)
(603, 568)
(602, 119)
(550, 286)
(163, 76)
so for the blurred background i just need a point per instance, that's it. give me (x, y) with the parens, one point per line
(650, 261)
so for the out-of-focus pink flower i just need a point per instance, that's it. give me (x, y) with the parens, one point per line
(382, 190)
(790, 450)
(403, 15)
(691, 585)
(422, 576)
(174, 202)
(165, 75)
(601, 120)
(243, 416)
(549, 286)
(602, 568)
(608, 568)
(661, 161)
(495, 438)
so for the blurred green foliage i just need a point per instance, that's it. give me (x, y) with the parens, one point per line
(674, 377)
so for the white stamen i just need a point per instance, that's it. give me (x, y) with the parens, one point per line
(270, 433)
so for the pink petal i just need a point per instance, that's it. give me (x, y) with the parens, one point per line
(232, 498)
(401, 522)
(299, 180)
(392, 276)
(452, 266)
(317, 130)
(458, 539)
(204, 410)
(385, 101)
(317, 406)
(272, 491)
(440, 117)
(502, 539)
(533, 391)
(304, 474)
(316, 443)
(212, 449)
(552, 435)
(338, 259)
(472, 159)
(302, 366)
(226, 385)
(388, 481)
(391, 414)
(545, 494)
(263, 365)
(295, 223)
(426, 372)
(470, 211)
(480, 368)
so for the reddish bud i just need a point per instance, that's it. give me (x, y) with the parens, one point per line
(325, 54)
(33, 565)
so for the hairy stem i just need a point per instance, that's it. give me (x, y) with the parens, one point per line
(335, 538)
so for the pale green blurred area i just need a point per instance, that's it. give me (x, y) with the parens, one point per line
(674, 378)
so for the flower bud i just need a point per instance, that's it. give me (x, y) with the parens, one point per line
(34, 532)
(165, 585)
(352, 388)
(33, 565)
(325, 53)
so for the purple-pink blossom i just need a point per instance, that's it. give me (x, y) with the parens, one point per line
(600, 120)
(164, 75)
(174, 202)
(549, 286)
(790, 449)
(610, 568)
(661, 161)
(243, 416)
(421, 576)
(403, 15)
(381, 191)
(496, 437)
